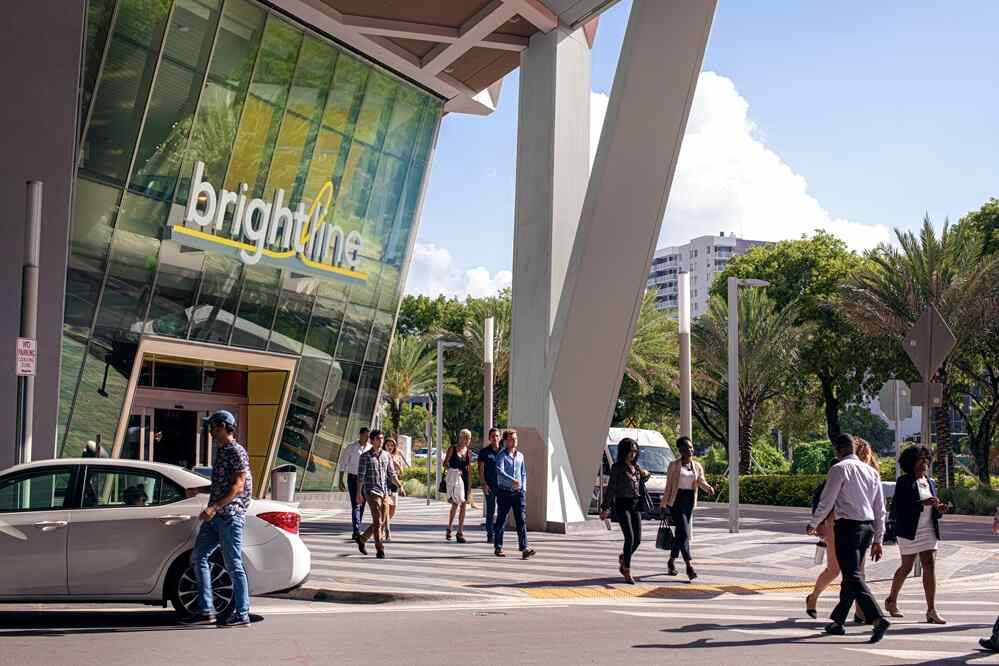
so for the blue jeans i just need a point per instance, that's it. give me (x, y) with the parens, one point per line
(508, 500)
(490, 510)
(356, 509)
(225, 532)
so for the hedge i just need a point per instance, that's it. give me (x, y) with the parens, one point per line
(972, 502)
(770, 489)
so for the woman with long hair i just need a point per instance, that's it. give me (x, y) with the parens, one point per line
(397, 461)
(457, 463)
(865, 452)
(623, 500)
(683, 479)
(917, 523)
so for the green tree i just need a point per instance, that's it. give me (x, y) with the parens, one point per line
(413, 420)
(422, 315)
(768, 359)
(411, 370)
(858, 420)
(811, 273)
(812, 457)
(948, 271)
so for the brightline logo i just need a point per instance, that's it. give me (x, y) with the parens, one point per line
(270, 232)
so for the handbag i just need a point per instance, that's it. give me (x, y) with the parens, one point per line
(645, 505)
(442, 486)
(665, 537)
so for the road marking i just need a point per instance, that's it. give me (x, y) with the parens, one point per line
(971, 639)
(926, 656)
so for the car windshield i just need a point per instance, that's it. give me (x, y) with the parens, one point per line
(653, 458)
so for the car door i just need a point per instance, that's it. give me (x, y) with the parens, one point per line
(34, 523)
(131, 524)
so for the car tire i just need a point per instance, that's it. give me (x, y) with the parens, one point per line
(181, 587)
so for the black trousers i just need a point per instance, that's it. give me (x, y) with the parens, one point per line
(629, 517)
(995, 630)
(680, 514)
(853, 538)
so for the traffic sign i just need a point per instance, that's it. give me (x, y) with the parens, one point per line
(27, 351)
(927, 395)
(895, 389)
(929, 342)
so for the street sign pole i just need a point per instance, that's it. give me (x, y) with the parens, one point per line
(29, 318)
(898, 432)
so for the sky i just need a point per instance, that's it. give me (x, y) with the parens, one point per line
(853, 117)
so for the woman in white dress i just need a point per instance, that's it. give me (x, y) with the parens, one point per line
(917, 514)
(457, 464)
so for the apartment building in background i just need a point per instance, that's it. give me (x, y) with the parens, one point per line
(703, 257)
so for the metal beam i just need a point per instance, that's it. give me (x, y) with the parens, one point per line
(429, 33)
(536, 12)
(471, 34)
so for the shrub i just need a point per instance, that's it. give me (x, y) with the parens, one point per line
(813, 457)
(768, 458)
(770, 489)
(974, 502)
(415, 488)
(715, 460)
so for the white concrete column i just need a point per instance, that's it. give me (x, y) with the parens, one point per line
(552, 172)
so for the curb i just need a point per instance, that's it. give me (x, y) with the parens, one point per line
(360, 597)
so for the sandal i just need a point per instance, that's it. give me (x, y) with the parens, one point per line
(933, 618)
(460, 538)
(810, 608)
(448, 535)
(891, 606)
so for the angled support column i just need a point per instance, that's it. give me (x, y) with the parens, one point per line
(552, 171)
(620, 223)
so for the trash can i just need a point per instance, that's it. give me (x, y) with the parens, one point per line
(283, 479)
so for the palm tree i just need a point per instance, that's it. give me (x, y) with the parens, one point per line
(768, 357)
(411, 370)
(885, 299)
(653, 358)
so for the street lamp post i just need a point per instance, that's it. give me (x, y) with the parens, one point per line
(683, 303)
(487, 370)
(734, 284)
(441, 346)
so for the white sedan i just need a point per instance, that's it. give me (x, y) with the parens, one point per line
(98, 530)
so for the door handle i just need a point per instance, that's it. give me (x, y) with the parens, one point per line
(49, 525)
(174, 519)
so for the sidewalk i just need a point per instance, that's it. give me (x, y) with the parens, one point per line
(771, 554)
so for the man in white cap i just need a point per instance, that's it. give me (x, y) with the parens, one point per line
(222, 525)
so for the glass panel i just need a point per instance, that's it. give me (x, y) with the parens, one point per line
(398, 241)
(405, 122)
(355, 188)
(100, 395)
(367, 396)
(176, 286)
(236, 45)
(74, 348)
(217, 303)
(256, 308)
(346, 94)
(142, 21)
(381, 328)
(90, 235)
(333, 423)
(297, 295)
(376, 110)
(358, 315)
(212, 136)
(118, 488)
(301, 422)
(165, 133)
(327, 315)
(289, 161)
(99, 13)
(328, 158)
(383, 204)
(264, 107)
(189, 40)
(35, 491)
(312, 79)
(177, 376)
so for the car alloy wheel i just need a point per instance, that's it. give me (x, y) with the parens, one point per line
(222, 592)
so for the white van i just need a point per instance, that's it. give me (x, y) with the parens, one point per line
(654, 455)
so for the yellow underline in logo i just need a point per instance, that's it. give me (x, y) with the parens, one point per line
(228, 242)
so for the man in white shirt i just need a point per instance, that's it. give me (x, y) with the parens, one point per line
(853, 491)
(351, 457)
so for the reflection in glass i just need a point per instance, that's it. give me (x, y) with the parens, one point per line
(142, 21)
(366, 398)
(297, 295)
(189, 40)
(256, 308)
(346, 94)
(372, 122)
(405, 123)
(333, 423)
(90, 235)
(300, 425)
(216, 310)
(99, 397)
(99, 13)
(176, 288)
(327, 315)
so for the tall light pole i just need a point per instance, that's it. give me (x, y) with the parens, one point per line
(441, 346)
(683, 303)
(29, 319)
(734, 284)
(487, 358)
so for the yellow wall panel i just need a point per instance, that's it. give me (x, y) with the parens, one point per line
(265, 387)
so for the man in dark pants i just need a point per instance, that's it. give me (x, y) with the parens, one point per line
(351, 460)
(992, 642)
(487, 478)
(511, 489)
(853, 491)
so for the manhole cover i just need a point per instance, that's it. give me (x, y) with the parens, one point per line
(485, 613)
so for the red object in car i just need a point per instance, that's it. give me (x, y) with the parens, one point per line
(286, 520)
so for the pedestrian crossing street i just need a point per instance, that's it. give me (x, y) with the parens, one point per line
(583, 565)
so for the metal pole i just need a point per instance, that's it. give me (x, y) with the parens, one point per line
(898, 430)
(29, 314)
(683, 301)
(487, 357)
(429, 430)
(733, 404)
(440, 416)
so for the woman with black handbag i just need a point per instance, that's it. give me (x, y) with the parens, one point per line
(625, 500)
(683, 479)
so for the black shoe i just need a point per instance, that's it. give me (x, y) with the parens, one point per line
(881, 625)
(836, 629)
(527, 554)
(235, 621)
(196, 620)
(355, 536)
(498, 552)
(671, 569)
(360, 546)
(990, 644)
(691, 574)
(489, 538)
(380, 554)
(460, 538)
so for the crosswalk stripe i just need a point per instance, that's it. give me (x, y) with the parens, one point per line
(926, 656)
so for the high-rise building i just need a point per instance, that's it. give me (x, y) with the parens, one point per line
(703, 257)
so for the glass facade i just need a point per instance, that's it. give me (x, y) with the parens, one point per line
(261, 101)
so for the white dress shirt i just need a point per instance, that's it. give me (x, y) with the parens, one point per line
(352, 456)
(853, 491)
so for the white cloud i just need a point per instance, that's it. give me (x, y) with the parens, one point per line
(728, 180)
(434, 271)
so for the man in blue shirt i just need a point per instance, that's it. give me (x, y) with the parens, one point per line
(511, 489)
(487, 476)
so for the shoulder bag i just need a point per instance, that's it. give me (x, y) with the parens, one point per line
(665, 538)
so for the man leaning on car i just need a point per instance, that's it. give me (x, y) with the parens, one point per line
(222, 525)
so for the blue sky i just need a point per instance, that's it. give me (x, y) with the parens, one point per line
(857, 117)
